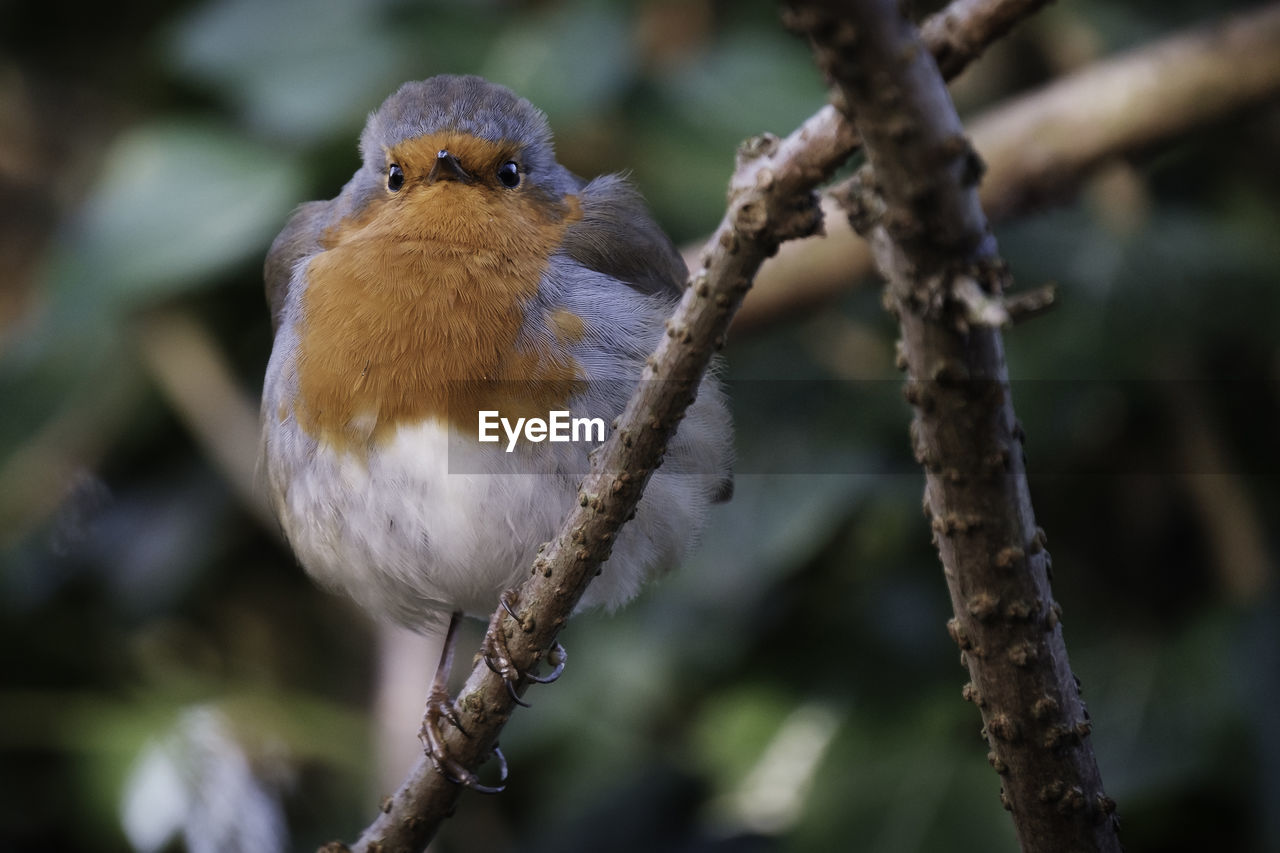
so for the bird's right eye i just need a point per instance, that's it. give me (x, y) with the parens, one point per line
(395, 177)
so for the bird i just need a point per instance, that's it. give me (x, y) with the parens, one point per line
(463, 273)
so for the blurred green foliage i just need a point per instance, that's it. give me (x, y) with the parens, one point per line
(792, 688)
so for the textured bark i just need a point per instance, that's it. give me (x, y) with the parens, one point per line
(959, 34)
(945, 280)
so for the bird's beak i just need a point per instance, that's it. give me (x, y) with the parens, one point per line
(447, 168)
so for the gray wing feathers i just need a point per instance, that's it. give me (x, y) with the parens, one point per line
(300, 237)
(617, 236)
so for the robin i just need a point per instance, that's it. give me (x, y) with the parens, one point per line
(464, 279)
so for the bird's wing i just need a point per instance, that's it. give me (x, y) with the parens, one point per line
(617, 236)
(300, 237)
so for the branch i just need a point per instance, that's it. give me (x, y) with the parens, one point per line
(194, 376)
(932, 243)
(1040, 144)
(1040, 147)
(771, 199)
(959, 34)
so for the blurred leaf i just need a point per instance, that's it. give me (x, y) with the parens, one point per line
(733, 729)
(197, 781)
(570, 61)
(684, 178)
(296, 68)
(750, 81)
(908, 783)
(176, 204)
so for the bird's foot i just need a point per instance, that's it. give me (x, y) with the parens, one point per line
(498, 657)
(439, 709)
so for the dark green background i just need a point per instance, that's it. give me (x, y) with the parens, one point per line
(150, 151)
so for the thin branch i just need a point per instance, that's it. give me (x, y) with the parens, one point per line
(1041, 146)
(194, 376)
(1038, 145)
(932, 243)
(959, 34)
(771, 199)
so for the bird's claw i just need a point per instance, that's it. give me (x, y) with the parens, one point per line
(498, 657)
(440, 708)
(558, 657)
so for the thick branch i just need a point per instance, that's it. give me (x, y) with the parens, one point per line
(932, 243)
(1041, 146)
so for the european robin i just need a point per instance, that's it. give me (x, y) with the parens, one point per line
(463, 273)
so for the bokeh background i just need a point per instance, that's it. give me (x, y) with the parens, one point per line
(172, 681)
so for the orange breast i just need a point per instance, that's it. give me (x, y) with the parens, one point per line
(414, 311)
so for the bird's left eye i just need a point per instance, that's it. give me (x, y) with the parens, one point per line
(509, 174)
(395, 177)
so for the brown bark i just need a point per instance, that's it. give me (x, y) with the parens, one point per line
(932, 243)
(959, 34)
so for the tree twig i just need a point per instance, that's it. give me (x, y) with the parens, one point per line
(1039, 147)
(931, 242)
(959, 34)
(771, 199)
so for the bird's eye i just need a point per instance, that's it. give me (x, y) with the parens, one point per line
(509, 174)
(395, 177)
